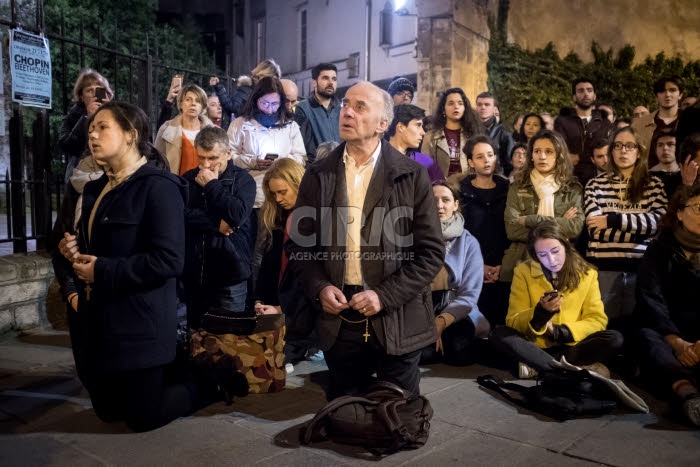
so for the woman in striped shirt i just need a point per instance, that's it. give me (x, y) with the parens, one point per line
(623, 208)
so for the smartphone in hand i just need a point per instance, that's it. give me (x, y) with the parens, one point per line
(100, 94)
(271, 157)
(177, 81)
(551, 294)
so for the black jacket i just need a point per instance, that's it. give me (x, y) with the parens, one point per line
(233, 104)
(667, 288)
(580, 139)
(138, 236)
(484, 218)
(72, 137)
(502, 145)
(399, 195)
(214, 259)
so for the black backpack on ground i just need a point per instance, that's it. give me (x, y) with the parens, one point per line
(560, 393)
(385, 420)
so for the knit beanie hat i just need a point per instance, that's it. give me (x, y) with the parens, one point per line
(400, 85)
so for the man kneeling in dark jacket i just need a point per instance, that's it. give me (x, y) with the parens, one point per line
(221, 229)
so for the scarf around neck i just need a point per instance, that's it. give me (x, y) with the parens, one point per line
(545, 187)
(268, 121)
(452, 227)
(690, 242)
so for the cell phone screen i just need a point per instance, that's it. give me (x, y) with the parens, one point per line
(100, 94)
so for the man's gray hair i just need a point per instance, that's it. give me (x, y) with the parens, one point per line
(388, 106)
(209, 136)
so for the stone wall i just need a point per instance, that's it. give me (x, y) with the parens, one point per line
(452, 48)
(24, 284)
(651, 26)
(453, 35)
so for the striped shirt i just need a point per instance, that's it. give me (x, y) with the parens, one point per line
(630, 226)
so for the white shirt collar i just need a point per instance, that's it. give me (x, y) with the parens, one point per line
(371, 161)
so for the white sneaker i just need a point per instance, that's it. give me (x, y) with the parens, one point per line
(526, 372)
(599, 368)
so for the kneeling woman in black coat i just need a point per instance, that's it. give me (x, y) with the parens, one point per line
(130, 250)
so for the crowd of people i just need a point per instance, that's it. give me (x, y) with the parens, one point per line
(386, 238)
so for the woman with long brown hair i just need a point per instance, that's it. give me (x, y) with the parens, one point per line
(555, 308)
(543, 188)
(453, 123)
(623, 208)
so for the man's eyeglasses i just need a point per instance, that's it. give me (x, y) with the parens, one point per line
(628, 146)
(694, 207)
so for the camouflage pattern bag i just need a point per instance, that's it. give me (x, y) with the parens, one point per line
(259, 356)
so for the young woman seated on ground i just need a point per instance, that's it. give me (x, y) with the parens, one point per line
(457, 286)
(667, 285)
(555, 309)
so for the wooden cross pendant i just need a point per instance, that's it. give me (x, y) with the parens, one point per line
(88, 289)
(366, 334)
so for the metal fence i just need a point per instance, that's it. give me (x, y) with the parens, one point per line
(32, 188)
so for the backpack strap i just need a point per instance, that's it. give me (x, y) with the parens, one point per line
(382, 390)
(496, 384)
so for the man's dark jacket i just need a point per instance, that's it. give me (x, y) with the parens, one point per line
(138, 236)
(214, 259)
(400, 189)
(579, 138)
(502, 144)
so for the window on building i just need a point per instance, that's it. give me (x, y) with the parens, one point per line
(303, 44)
(354, 65)
(259, 40)
(386, 19)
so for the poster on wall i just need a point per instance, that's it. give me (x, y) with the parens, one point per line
(30, 63)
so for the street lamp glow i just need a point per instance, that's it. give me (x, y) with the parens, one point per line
(398, 4)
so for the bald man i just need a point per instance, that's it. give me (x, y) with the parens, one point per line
(371, 279)
(291, 92)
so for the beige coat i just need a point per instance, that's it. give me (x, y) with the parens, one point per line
(435, 145)
(169, 140)
(250, 142)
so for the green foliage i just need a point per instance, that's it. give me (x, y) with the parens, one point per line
(540, 81)
(129, 28)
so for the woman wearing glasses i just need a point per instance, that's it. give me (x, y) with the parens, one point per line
(623, 208)
(264, 132)
(669, 278)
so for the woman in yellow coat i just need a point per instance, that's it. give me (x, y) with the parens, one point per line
(555, 309)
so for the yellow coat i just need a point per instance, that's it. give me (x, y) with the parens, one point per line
(581, 310)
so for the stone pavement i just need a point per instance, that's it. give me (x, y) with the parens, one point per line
(46, 419)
